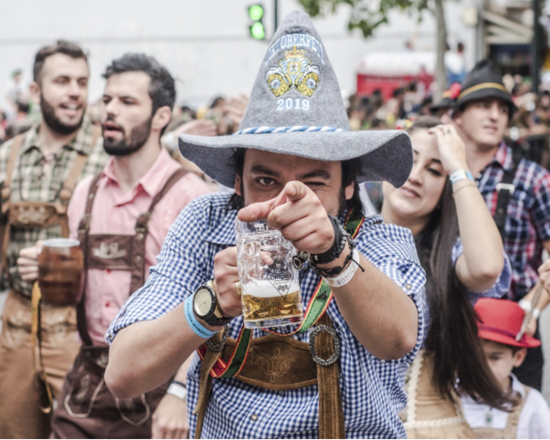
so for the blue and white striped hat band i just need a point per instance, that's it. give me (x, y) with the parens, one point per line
(264, 130)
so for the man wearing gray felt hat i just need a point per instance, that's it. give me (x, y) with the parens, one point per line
(295, 164)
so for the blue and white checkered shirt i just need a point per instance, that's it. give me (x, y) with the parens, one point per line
(372, 389)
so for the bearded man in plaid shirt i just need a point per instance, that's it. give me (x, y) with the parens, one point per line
(517, 191)
(295, 163)
(38, 170)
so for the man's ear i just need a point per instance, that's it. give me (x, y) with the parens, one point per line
(238, 185)
(350, 190)
(35, 89)
(161, 118)
(519, 357)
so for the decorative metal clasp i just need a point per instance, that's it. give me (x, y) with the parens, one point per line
(335, 344)
(219, 346)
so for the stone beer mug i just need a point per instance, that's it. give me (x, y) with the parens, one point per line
(60, 271)
(270, 284)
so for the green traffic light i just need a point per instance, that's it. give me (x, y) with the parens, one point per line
(257, 31)
(256, 12)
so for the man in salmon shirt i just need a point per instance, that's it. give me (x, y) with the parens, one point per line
(121, 218)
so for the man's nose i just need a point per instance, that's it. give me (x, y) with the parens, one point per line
(74, 88)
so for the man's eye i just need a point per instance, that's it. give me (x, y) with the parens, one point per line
(315, 184)
(265, 181)
(126, 102)
(106, 100)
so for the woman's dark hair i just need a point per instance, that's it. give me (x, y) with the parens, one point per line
(452, 339)
(350, 170)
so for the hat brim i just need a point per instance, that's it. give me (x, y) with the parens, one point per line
(526, 341)
(444, 103)
(487, 93)
(383, 154)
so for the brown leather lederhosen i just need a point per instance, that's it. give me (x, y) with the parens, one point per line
(86, 407)
(511, 428)
(37, 215)
(283, 363)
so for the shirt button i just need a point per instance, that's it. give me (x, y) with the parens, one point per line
(408, 286)
(253, 417)
(138, 258)
(140, 236)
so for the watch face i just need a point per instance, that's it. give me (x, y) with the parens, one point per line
(202, 302)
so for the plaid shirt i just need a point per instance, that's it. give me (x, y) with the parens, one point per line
(39, 178)
(528, 217)
(372, 389)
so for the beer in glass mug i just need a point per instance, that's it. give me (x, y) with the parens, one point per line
(60, 271)
(270, 285)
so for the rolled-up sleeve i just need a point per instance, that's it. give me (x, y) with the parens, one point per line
(391, 249)
(502, 284)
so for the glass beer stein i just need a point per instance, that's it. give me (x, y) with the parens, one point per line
(270, 285)
(60, 271)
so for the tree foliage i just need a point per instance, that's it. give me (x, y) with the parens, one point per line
(366, 15)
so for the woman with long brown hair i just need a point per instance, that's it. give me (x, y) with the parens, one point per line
(461, 250)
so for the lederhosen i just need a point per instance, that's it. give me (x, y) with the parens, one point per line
(259, 362)
(530, 371)
(511, 428)
(36, 215)
(86, 407)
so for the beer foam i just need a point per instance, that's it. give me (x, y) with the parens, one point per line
(264, 289)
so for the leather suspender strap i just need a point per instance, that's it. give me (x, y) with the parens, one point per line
(142, 229)
(83, 232)
(5, 193)
(505, 190)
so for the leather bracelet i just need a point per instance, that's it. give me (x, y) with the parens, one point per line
(337, 247)
(347, 274)
(335, 271)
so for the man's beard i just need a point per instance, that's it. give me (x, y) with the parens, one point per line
(129, 145)
(49, 118)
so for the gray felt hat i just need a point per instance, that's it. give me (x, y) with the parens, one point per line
(296, 108)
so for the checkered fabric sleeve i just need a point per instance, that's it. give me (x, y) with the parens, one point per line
(372, 389)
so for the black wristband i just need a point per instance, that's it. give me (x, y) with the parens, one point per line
(340, 239)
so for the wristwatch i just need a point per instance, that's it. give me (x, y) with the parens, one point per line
(205, 306)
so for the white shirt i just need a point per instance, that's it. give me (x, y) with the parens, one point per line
(534, 420)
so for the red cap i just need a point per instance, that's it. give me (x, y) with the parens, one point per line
(501, 322)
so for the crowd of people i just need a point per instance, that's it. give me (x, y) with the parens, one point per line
(423, 293)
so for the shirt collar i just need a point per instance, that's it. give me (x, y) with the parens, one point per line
(504, 157)
(153, 179)
(81, 142)
(517, 385)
